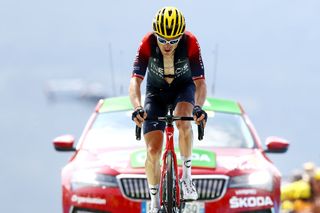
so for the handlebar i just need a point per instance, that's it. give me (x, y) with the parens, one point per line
(169, 120)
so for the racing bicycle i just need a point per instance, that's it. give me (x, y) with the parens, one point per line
(170, 198)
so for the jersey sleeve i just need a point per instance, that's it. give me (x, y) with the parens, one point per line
(194, 54)
(142, 58)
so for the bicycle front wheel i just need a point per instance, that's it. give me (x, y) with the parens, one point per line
(169, 196)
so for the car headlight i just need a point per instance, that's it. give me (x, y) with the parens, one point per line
(260, 180)
(82, 179)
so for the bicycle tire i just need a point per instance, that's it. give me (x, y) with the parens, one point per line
(169, 191)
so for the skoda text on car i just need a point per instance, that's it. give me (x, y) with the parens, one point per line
(229, 166)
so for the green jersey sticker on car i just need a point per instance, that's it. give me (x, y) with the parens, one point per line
(200, 158)
(211, 104)
(115, 104)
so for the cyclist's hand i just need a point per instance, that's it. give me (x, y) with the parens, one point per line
(138, 116)
(199, 115)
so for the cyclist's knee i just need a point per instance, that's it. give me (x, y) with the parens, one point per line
(153, 154)
(183, 126)
(154, 145)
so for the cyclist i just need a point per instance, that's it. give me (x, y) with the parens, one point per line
(175, 76)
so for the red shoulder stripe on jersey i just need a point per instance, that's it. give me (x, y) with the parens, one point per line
(141, 61)
(194, 55)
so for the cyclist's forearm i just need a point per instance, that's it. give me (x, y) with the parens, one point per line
(135, 92)
(201, 92)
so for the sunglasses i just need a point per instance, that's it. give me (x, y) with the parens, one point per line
(171, 42)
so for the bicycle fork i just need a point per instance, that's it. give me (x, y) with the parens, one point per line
(169, 149)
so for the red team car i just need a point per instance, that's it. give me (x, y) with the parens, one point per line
(230, 168)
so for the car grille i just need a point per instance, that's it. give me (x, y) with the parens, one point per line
(209, 187)
(134, 186)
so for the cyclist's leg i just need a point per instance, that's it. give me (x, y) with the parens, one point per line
(153, 135)
(185, 129)
(154, 141)
(184, 106)
(152, 166)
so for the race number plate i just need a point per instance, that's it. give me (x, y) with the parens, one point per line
(190, 207)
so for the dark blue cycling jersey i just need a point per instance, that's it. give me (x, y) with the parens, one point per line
(188, 67)
(188, 64)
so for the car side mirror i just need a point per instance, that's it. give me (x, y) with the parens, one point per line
(64, 143)
(276, 145)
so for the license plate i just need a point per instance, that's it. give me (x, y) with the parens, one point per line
(190, 207)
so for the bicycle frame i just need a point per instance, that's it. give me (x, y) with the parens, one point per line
(169, 150)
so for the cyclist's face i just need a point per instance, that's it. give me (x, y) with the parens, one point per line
(167, 46)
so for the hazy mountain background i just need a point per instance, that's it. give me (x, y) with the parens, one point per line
(268, 59)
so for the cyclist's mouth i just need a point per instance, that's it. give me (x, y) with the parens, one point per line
(168, 51)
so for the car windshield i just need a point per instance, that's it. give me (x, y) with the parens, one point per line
(116, 129)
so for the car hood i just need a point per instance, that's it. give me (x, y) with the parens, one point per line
(131, 160)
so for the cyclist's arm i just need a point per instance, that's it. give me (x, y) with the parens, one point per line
(135, 92)
(197, 69)
(139, 70)
(201, 92)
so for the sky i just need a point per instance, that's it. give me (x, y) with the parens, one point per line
(267, 55)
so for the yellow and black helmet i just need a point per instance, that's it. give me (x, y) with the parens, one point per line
(169, 23)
